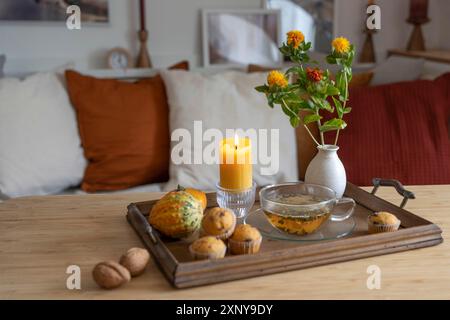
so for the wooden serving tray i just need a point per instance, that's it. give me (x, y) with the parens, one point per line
(279, 256)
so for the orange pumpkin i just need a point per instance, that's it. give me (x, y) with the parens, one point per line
(178, 214)
(197, 194)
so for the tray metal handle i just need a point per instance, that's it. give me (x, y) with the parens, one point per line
(377, 182)
(143, 222)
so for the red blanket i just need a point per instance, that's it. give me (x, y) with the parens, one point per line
(398, 131)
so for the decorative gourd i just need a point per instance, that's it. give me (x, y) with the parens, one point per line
(178, 214)
(198, 194)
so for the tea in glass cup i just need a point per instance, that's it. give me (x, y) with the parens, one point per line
(300, 208)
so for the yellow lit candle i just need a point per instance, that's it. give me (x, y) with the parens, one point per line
(236, 163)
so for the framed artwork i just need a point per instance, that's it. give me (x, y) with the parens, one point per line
(315, 18)
(92, 11)
(241, 37)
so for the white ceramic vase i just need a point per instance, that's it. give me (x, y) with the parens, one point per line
(326, 169)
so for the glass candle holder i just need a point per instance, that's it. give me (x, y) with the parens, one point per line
(240, 201)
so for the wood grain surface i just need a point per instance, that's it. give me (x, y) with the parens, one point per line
(41, 236)
(442, 56)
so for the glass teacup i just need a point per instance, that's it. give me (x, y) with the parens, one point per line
(301, 208)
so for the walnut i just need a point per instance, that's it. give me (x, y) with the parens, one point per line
(110, 274)
(135, 260)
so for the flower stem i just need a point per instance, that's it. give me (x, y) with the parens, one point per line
(312, 136)
(306, 127)
(338, 130)
(344, 106)
(319, 123)
(337, 137)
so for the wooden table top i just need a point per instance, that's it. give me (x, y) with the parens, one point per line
(442, 56)
(41, 236)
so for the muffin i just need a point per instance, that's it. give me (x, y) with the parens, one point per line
(383, 222)
(219, 222)
(245, 240)
(207, 248)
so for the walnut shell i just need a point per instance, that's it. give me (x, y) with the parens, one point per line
(110, 274)
(135, 260)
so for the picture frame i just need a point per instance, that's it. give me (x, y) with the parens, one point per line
(53, 12)
(227, 33)
(321, 13)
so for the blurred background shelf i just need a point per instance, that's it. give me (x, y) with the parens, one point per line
(436, 55)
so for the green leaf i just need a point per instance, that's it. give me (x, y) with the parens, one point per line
(327, 128)
(322, 103)
(297, 104)
(311, 118)
(347, 70)
(289, 112)
(332, 91)
(339, 107)
(338, 80)
(316, 100)
(331, 59)
(349, 77)
(347, 110)
(270, 100)
(312, 106)
(295, 121)
(333, 124)
(341, 84)
(285, 50)
(321, 88)
(327, 106)
(263, 88)
(304, 105)
(293, 70)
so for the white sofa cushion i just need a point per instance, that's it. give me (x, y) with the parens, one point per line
(40, 150)
(433, 70)
(222, 101)
(397, 69)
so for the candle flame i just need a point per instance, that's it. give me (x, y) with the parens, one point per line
(236, 141)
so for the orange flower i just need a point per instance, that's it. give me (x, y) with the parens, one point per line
(314, 75)
(276, 78)
(295, 38)
(341, 45)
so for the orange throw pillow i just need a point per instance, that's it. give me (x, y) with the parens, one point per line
(124, 130)
(362, 79)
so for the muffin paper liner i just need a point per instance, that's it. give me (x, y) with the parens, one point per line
(209, 255)
(378, 228)
(244, 247)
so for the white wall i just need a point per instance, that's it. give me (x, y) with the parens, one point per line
(394, 31)
(174, 32)
(443, 28)
(175, 27)
(39, 46)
